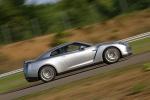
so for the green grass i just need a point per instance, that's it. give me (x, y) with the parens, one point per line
(13, 86)
(12, 78)
(141, 49)
(147, 67)
(13, 82)
(135, 89)
(140, 42)
(140, 45)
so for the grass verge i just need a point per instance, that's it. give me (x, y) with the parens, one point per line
(140, 45)
(86, 85)
(147, 67)
(13, 82)
(137, 88)
(12, 78)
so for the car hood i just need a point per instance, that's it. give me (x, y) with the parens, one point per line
(99, 44)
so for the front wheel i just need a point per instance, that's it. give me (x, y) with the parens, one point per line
(111, 55)
(47, 73)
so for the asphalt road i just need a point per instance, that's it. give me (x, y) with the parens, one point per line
(78, 75)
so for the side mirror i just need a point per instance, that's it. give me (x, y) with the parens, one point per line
(82, 48)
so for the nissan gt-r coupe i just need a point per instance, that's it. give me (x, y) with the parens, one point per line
(71, 56)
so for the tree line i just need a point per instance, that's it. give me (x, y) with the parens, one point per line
(19, 21)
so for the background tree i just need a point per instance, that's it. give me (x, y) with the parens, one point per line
(51, 18)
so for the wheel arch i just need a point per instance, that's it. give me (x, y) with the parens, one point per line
(111, 47)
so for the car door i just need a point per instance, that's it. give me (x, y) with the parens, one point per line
(56, 59)
(76, 57)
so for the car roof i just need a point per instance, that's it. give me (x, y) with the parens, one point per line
(59, 46)
(62, 45)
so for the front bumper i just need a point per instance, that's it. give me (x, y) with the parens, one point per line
(128, 54)
(127, 51)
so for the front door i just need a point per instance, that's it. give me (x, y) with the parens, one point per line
(76, 57)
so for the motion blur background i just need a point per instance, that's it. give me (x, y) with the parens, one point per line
(107, 20)
(24, 19)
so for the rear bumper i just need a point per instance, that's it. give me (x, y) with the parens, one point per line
(28, 77)
(32, 79)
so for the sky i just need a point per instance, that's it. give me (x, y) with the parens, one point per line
(40, 1)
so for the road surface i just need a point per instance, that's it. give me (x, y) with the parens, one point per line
(77, 75)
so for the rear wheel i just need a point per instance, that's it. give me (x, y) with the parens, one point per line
(111, 55)
(47, 73)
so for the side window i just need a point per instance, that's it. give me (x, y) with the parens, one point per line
(72, 47)
(56, 52)
(84, 45)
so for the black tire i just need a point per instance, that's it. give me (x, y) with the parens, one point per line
(111, 55)
(47, 73)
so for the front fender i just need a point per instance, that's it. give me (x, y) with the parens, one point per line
(99, 54)
(102, 48)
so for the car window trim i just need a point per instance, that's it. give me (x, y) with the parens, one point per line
(55, 50)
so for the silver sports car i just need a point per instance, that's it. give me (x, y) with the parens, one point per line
(71, 56)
